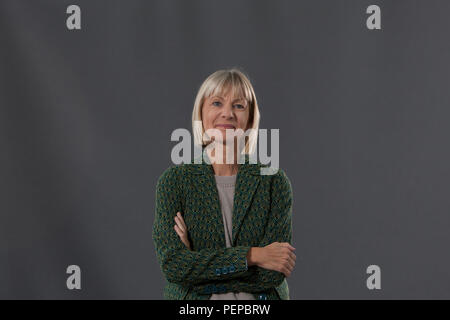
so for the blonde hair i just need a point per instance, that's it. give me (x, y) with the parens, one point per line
(227, 80)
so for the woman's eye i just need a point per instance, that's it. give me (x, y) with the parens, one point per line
(239, 106)
(216, 103)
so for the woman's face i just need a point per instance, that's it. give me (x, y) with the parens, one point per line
(225, 112)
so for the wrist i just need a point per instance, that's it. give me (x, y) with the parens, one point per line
(253, 256)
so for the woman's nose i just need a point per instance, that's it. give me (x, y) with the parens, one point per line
(227, 111)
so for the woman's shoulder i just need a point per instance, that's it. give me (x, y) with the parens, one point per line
(177, 172)
(272, 172)
(172, 172)
(278, 178)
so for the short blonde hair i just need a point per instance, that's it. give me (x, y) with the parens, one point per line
(221, 82)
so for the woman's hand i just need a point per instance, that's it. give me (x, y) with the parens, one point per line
(277, 256)
(181, 230)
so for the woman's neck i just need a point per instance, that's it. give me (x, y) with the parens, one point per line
(227, 166)
(225, 169)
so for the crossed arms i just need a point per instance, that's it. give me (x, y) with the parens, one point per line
(199, 269)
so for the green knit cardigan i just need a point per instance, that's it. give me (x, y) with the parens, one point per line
(262, 212)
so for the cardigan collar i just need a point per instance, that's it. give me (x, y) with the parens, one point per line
(247, 181)
(205, 168)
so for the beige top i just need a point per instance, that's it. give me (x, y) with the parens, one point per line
(225, 187)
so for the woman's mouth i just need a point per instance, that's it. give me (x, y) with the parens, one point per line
(225, 126)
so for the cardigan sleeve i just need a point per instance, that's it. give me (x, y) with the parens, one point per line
(178, 264)
(278, 229)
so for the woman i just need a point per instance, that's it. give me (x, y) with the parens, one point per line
(222, 229)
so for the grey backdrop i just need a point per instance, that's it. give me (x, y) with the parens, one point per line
(86, 118)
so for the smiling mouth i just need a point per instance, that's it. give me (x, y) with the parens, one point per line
(225, 126)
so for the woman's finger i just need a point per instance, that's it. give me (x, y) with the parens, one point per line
(178, 231)
(291, 264)
(182, 220)
(293, 256)
(182, 238)
(288, 245)
(179, 224)
(285, 271)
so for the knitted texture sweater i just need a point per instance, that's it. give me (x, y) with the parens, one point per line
(262, 213)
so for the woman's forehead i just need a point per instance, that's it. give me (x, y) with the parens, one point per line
(223, 93)
(224, 97)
